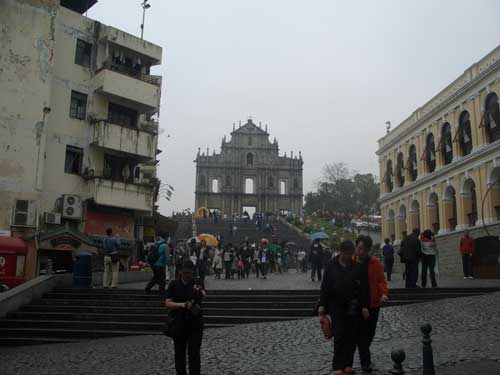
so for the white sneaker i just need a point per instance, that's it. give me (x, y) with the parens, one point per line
(470, 277)
(465, 277)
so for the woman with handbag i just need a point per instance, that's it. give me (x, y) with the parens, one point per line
(185, 321)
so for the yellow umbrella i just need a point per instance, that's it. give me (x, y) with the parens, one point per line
(209, 239)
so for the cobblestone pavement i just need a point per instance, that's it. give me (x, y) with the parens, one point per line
(465, 329)
(302, 281)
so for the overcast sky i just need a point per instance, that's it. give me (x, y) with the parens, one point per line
(325, 75)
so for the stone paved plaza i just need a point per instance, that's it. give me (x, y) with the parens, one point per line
(302, 281)
(465, 330)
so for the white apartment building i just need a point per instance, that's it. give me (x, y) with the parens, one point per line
(78, 130)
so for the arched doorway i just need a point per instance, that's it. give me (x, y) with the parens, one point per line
(450, 208)
(494, 183)
(469, 202)
(388, 176)
(391, 230)
(402, 221)
(414, 217)
(400, 167)
(412, 163)
(433, 212)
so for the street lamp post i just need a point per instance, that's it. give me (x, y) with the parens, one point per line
(145, 6)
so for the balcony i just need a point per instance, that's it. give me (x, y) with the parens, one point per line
(132, 43)
(137, 141)
(122, 194)
(142, 90)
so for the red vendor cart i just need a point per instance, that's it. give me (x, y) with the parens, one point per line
(12, 261)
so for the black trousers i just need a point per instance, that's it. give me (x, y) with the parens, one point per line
(467, 265)
(428, 262)
(345, 333)
(316, 269)
(158, 278)
(227, 266)
(192, 342)
(411, 274)
(367, 331)
(388, 263)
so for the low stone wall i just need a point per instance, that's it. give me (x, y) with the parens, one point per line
(450, 259)
(31, 290)
(448, 245)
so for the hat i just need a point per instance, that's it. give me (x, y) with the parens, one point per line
(187, 266)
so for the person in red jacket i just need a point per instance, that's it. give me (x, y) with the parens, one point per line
(378, 296)
(467, 250)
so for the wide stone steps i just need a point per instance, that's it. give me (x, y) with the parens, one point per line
(66, 315)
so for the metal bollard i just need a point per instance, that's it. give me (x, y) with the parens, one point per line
(428, 358)
(398, 356)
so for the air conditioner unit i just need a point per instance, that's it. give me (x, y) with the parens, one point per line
(72, 207)
(52, 218)
(24, 213)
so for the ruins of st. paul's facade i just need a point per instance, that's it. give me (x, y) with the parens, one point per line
(249, 175)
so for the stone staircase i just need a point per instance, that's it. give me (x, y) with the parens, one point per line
(283, 231)
(71, 315)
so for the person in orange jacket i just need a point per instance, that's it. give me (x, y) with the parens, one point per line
(378, 296)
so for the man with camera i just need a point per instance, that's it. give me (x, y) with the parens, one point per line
(183, 299)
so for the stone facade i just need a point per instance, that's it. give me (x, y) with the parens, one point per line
(441, 166)
(249, 172)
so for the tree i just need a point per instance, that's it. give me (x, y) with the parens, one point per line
(339, 191)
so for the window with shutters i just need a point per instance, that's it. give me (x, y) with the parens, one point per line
(74, 160)
(492, 118)
(412, 163)
(430, 153)
(400, 174)
(465, 134)
(78, 105)
(446, 144)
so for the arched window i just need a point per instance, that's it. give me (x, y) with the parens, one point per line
(469, 202)
(228, 180)
(270, 182)
(450, 200)
(249, 159)
(400, 166)
(446, 144)
(412, 163)
(492, 118)
(250, 140)
(465, 134)
(430, 153)
(249, 189)
(215, 185)
(282, 187)
(202, 180)
(388, 176)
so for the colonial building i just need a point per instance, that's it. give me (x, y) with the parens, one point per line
(249, 175)
(78, 129)
(440, 167)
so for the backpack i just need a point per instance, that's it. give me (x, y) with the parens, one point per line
(153, 255)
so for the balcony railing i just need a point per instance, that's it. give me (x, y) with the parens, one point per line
(131, 72)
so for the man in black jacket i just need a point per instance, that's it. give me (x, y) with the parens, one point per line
(316, 258)
(411, 254)
(345, 296)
